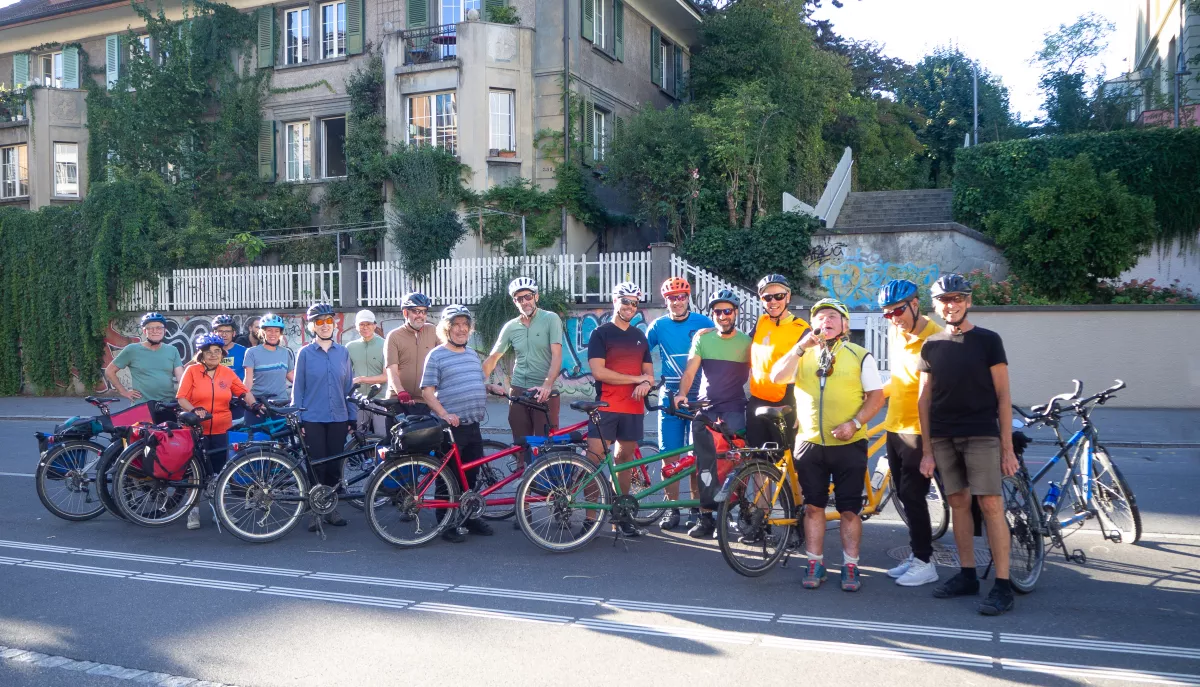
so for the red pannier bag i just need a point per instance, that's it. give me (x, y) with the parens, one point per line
(132, 415)
(169, 447)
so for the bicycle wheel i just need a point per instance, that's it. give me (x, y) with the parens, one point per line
(66, 480)
(1114, 499)
(395, 498)
(557, 512)
(105, 474)
(935, 501)
(643, 477)
(1027, 553)
(749, 543)
(261, 495)
(495, 472)
(151, 502)
(358, 467)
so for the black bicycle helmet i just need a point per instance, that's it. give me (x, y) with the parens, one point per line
(950, 283)
(773, 279)
(724, 296)
(317, 310)
(222, 321)
(416, 300)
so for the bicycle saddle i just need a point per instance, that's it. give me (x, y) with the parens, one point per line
(588, 406)
(190, 419)
(97, 400)
(772, 411)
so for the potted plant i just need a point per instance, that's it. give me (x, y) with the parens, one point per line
(504, 15)
(508, 153)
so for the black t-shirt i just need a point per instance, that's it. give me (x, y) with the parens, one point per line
(964, 397)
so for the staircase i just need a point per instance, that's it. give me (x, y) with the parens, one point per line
(896, 208)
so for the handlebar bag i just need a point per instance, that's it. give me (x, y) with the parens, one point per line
(417, 434)
(169, 447)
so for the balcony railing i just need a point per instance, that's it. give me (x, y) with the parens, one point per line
(430, 45)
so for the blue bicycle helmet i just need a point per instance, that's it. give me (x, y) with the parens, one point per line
(773, 279)
(416, 300)
(896, 291)
(208, 339)
(724, 296)
(318, 310)
(153, 317)
(272, 320)
(223, 320)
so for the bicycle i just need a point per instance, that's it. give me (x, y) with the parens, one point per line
(1093, 487)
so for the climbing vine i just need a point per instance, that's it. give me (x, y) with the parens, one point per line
(359, 197)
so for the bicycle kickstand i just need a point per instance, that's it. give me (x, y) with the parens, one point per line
(620, 536)
(320, 525)
(215, 518)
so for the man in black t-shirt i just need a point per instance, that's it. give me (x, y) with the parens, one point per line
(966, 432)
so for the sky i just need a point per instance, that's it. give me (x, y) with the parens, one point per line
(1002, 36)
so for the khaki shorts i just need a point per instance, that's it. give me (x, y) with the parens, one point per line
(972, 462)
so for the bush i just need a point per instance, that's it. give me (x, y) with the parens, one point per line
(1011, 291)
(1136, 292)
(1072, 228)
(497, 307)
(776, 243)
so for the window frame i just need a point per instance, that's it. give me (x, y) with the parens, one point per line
(599, 28)
(601, 134)
(666, 51)
(339, 20)
(59, 189)
(325, 147)
(510, 98)
(437, 132)
(57, 67)
(304, 161)
(21, 183)
(305, 35)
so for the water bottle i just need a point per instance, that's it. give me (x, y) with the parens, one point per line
(880, 474)
(1050, 502)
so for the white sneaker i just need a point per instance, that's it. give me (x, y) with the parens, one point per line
(919, 573)
(194, 518)
(899, 570)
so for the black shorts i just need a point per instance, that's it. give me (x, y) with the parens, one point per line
(846, 465)
(618, 427)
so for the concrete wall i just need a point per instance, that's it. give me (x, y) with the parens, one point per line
(1152, 349)
(1165, 264)
(852, 265)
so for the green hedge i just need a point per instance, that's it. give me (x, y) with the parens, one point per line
(1159, 163)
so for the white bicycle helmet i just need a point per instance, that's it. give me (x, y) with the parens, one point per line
(522, 284)
(452, 311)
(627, 288)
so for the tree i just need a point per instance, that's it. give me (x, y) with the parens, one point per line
(736, 133)
(1072, 81)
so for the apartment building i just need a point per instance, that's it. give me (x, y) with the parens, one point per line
(1167, 37)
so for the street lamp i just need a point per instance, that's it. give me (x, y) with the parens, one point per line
(493, 211)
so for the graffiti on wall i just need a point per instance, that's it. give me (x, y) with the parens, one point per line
(855, 279)
(822, 253)
(576, 378)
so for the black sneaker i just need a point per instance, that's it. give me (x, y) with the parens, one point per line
(704, 527)
(335, 518)
(478, 526)
(669, 521)
(998, 601)
(586, 527)
(452, 535)
(958, 585)
(692, 518)
(629, 529)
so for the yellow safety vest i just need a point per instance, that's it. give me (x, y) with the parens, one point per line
(819, 410)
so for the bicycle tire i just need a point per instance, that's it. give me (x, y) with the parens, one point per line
(391, 490)
(1112, 494)
(105, 471)
(356, 465)
(493, 473)
(140, 497)
(547, 505)
(66, 475)
(939, 507)
(246, 487)
(642, 478)
(745, 518)
(1027, 551)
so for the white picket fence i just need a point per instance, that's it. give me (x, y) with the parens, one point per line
(232, 288)
(705, 284)
(469, 280)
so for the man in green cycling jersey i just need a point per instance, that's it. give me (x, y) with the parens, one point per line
(153, 366)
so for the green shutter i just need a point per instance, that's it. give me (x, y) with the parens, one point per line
(112, 59)
(354, 27)
(589, 132)
(618, 130)
(619, 29)
(490, 6)
(266, 150)
(678, 73)
(71, 67)
(266, 37)
(656, 65)
(20, 70)
(418, 14)
(587, 15)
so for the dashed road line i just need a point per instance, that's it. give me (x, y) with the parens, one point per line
(198, 582)
(895, 628)
(137, 675)
(733, 613)
(381, 581)
(1100, 645)
(355, 599)
(83, 569)
(1076, 670)
(688, 633)
(16, 474)
(498, 614)
(921, 655)
(236, 567)
(526, 595)
(137, 557)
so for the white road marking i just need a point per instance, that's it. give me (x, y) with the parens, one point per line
(136, 675)
(235, 567)
(531, 596)
(737, 614)
(29, 546)
(140, 558)
(198, 582)
(85, 569)
(519, 616)
(688, 633)
(381, 581)
(15, 474)
(922, 655)
(5, 560)
(895, 628)
(356, 599)
(1100, 645)
(1071, 669)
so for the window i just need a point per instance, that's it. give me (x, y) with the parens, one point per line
(66, 169)
(295, 36)
(333, 30)
(598, 18)
(600, 134)
(503, 135)
(454, 11)
(145, 41)
(433, 120)
(14, 172)
(298, 148)
(333, 143)
(668, 63)
(52, 70)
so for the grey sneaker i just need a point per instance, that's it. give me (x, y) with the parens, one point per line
(193, 522)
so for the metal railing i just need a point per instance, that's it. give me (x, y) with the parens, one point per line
(430, 44)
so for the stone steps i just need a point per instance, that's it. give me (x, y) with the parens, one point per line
(897, 208)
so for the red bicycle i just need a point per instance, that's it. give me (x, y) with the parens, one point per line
(413, 497)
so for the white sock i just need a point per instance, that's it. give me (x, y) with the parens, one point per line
(847, 559)
(820, 558)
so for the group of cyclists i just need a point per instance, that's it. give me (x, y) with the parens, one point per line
(947, 399)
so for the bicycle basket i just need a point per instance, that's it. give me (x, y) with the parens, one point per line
(169, 447)
(417, 434)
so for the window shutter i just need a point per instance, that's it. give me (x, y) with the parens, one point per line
(491, 5)
(656, 65)
(354, 27)
(266, 37)
(678, 72)
(418, 14)
(71, 67)
(112, 59)
(20, 70)
(619, 29)
(266, 150)
(618, 130)
(589, 132)
(588, 17)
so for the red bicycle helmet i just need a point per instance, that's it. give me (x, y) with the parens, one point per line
(675, 285)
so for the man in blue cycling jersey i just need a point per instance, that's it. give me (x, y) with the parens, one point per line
(673, 334)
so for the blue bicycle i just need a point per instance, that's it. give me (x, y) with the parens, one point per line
(1092, 488)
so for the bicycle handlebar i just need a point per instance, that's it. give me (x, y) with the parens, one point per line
(1052, 411)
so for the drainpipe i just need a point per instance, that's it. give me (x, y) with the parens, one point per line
(566, 110)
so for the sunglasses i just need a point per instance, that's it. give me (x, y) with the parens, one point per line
(323, 320)
(895, 312)
(678, 298)
(952, 298)
(523, 298)
(630, 301)
(724, 312)
(768, 297)
(417, 311)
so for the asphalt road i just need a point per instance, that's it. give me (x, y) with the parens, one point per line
(137, 606)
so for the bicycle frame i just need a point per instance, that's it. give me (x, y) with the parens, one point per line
(1086, 432)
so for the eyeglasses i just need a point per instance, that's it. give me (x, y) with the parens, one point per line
(524, 298)
(678, 298)
(323, 320)
(224, 330)
(214, 350)
(952, 298)
(630, 301)
(724, 312)
(768, 297)
(895, 312)
(156, 330)
(417, 311)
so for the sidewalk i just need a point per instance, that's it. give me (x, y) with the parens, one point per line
(1168, 428)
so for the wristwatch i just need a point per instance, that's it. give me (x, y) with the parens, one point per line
(857, 424)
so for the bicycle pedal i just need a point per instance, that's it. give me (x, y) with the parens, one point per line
(1078, 556)
(1114, 536)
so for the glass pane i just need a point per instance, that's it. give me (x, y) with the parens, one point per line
(328, 31)
(452, 11)
(304, 29)
(66, 169)
(420, 121)
(341, 28)
(447, 122)
(335, 147)
(306, 151)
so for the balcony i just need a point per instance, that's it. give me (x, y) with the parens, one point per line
(1189, 115)
(430, 45)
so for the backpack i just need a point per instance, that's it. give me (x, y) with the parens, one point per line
(169, 447)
